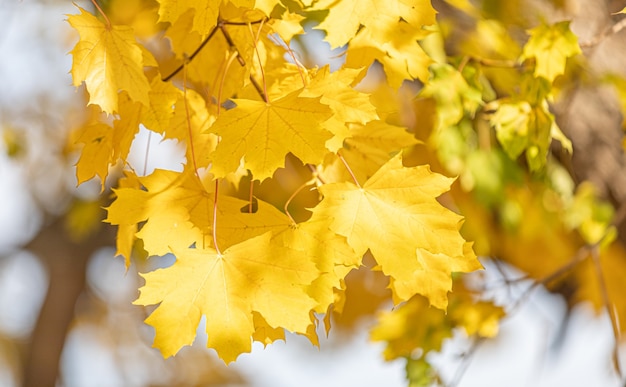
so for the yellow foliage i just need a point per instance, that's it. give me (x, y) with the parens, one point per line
(107, 58)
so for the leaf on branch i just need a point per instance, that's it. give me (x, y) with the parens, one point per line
(204, 18)
(252, 276)
(521, 127)
(414, 239)
(551, 46)
(387, 31)
(263, 133)
(366, 149)
(107, 59)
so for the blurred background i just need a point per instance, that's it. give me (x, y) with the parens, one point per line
(66, 316)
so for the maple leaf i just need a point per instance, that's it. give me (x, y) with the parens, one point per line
(107, 59)
(453, 94)
(204, 17)
(520, 126)
(263, 133)
(345, 17)
(158, 113)
(104, 145)
(331, 254)
(397, 49)
(252, 276)
(366, 149)
(96, 155)
(551, 46)
(336, 91)
(381, 30)
(395, 215)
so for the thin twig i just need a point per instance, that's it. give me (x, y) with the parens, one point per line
(193, 55)
(244, 23)
(231, 44)
(257, 87)
(580, 256)
(460, 371)
(614, 29)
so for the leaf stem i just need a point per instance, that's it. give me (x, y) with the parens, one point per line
(258, 55)
(95, 3)
(221, 88)
(293, 195)
(191, 147)
(214, 226)
(250, 196)
(345, 163)
(145, 159)
(281, 42)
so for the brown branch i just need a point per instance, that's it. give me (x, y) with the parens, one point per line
(193, 55)
(614, 29)
(231, 44)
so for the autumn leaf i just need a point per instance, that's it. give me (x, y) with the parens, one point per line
(551, 46)
(387, 31)
(263, 133)
(205, 16)
(395, 215)
(105, 145)
(107, 59)
(97, 152)
(331, 254)
(227, 288)
(366, 149)
(345, 17)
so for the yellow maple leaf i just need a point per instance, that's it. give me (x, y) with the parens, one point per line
(204, 18)
(551, 46)
(396, 48)
(210, 67)
(347, 16)
(263, 133)
(313, 239)
(336, 91)
(227, 287)
(414, 239)
(381, 30)
(107, 59)
(158, 113)
(96, 155)
(192, 118)
(366, 149)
